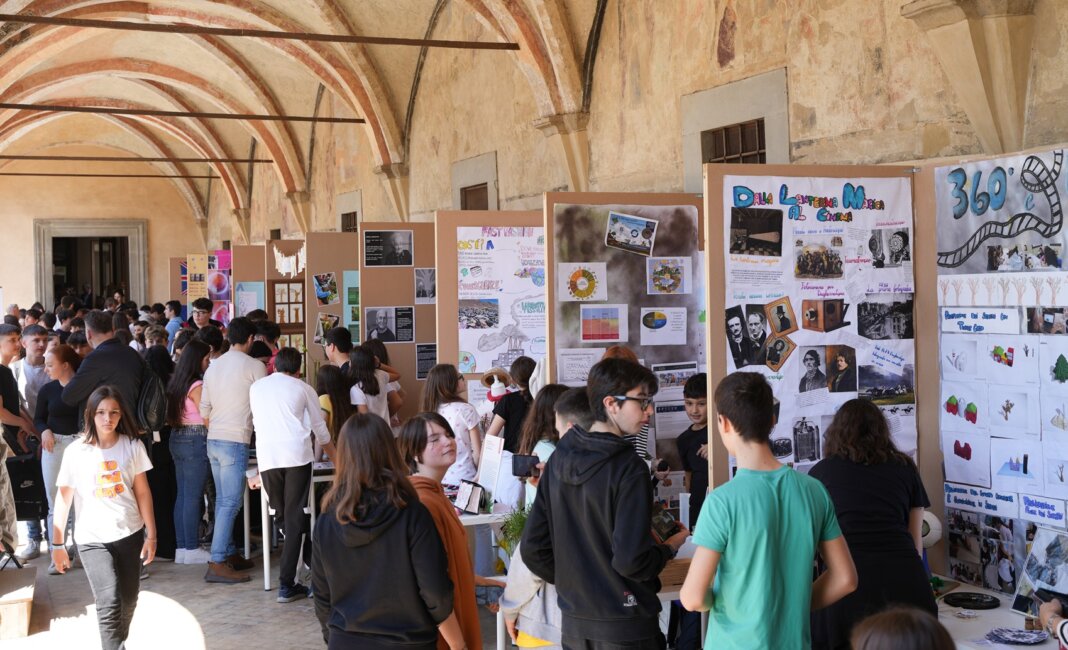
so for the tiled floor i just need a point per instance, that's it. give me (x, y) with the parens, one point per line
(177, 609)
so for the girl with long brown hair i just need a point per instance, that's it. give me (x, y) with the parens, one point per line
(376, 542)
(103, 475)
(539, 435)
(443, 395)
(879, 500)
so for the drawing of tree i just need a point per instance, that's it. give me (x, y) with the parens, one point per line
(973, 285)
(990, 283)
(1054, 282)
(1021, 288)
(943, 286)
(1036, 282)
(1060, 369)
(1004, 283)
(957, 286)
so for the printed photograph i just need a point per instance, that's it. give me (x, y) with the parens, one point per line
(813, 372)
(390, 324)
(889, 247)
(779, 349)
(630, 233)
(807, 440)
(817, 259)
(426, 286)
(885, 316)
(780, 316)
(387, 248)
(884, 387)
(1024, 257)
(756, 231)
(824, 315)
(479, 313)
(323, 324)
(1047, 320)
(325, 285)
(841, 369)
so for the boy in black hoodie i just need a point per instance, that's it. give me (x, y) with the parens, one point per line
(589, 531)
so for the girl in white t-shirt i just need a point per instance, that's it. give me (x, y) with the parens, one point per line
(370, 387)
(103, 475)
(443, 395)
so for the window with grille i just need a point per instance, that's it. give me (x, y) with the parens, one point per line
(737, 143)
(226, 245)
(350, 221)
(276, 233)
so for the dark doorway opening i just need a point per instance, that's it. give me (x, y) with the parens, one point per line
(102, 263)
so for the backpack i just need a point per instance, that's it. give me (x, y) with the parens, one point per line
(151, 400)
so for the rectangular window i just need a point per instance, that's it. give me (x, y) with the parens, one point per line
(737, 143)
(350, 221)
(226, 245)
(475, 197)
(276, 233)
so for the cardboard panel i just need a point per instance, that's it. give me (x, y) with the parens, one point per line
(330, 254)
(387, 285)
(448, 274)
(285, 291)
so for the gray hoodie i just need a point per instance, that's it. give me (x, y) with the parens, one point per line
(532, 601)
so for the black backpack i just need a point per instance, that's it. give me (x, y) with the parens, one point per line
(151, 400)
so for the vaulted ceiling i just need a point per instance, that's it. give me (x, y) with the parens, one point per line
(79, 66)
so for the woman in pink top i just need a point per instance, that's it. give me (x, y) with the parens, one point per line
(188, 444)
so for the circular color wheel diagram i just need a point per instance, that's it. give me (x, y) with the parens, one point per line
(582, 283)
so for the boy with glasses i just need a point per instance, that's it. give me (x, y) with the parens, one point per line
(589, 531)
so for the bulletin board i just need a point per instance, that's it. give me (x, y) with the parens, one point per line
(1003, 355)
(284, 271)
(390, 254)
(248, 273)
(332, 257)
(628, 269)
(496, 262)
(176, 277)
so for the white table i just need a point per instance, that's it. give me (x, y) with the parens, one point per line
(966, 630)
(265, 521)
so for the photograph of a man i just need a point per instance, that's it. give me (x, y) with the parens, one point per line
(387, 248)
(381, 326)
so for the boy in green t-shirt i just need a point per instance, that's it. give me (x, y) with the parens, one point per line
(759, 533)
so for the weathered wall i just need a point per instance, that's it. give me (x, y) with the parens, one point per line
(171, 230)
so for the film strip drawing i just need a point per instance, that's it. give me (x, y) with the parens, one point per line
(1036, 178)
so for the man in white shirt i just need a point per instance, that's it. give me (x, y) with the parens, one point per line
(224, 405)
(284, 410)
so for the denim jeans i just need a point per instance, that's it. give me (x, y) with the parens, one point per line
(114, 572)
(50, 462)
(189, 448)
(228, 463)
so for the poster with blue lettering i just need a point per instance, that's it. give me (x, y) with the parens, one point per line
(501, 293)
(820, 293)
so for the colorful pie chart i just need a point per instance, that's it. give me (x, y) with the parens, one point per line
(654, 320)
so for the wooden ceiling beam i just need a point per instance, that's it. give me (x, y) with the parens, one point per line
(74, 175)
(100, 110)
(173, 28)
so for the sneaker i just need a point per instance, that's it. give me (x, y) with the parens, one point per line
(238, 563)
(31, 551)
(197, 556)
(179, 556)
(222, 573)
(289, 594)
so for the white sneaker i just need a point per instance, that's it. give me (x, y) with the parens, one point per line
(196, 556)
(179, 556)
(31, 551)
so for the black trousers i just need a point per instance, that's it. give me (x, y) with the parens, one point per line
(164, 487)
(114, 572)
(579, 643)
(287, 492)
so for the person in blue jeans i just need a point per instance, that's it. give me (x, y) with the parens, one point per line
(189, 448)
(224, 405)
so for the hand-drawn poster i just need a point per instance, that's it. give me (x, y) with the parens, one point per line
(819, 299)
(501, 295)
(1001, 293)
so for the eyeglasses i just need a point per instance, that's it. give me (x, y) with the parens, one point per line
(643, 402)
(201, 312)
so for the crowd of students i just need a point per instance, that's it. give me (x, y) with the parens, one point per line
(390, 564)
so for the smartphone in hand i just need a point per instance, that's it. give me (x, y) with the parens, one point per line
(524, 466)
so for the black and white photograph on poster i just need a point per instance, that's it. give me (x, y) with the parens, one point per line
(780, 316)
(813, 375)
(390, 324)
(890, 247)
(824, 314)
(756, 328)
(741, 347)
(779, 349)
(841, 369)
(782, 447)
(426, 357)
(807, 440)
(426, 286)
(756, 231)
(1024, 257)
(885, 316)
(886, 387)
(387, 248)
(818, 257)
(1047, 320)
(630, 233)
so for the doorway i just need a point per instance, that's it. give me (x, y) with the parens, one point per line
(100, 265)
(119, 259)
